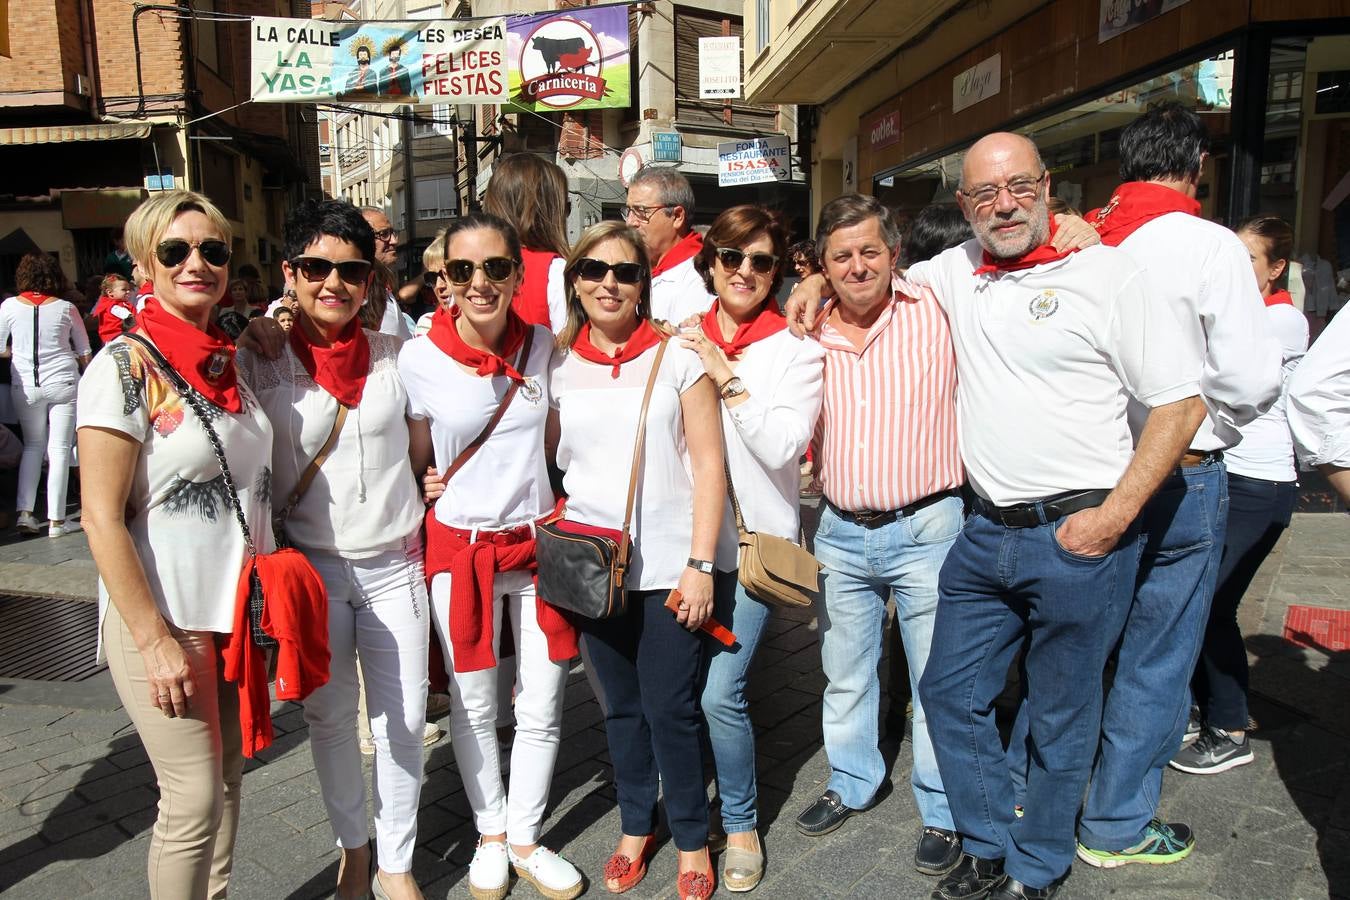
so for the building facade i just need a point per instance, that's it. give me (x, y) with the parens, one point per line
(899, 88)
(103, 102)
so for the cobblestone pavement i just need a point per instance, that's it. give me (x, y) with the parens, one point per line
(77, 795)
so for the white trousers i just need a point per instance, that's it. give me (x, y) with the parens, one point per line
(377, 608)
(474, 701)
(47, 414)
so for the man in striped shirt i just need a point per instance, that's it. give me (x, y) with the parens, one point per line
(889, 468)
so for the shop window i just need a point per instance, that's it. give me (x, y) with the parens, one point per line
(690, 25)
(442, 114)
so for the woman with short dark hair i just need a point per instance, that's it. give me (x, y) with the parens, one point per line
(50, 349)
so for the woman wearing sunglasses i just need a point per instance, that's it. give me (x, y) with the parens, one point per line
(480, 359)
(770, 386)
(345, 496)
(647, 660)
(164, 536)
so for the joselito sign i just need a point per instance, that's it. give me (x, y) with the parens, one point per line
(885, 131)
(574, 61)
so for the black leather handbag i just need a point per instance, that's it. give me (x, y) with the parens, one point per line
(582, 568)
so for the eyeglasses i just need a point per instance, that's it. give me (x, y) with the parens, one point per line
(760, 263)
(596, 270)
(1023, 188)
(175, 251)
(318, 268)
(388, 235)
(641, 213)
(460, 271)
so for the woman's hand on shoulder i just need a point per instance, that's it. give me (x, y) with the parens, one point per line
(263, 336)
(714, 361)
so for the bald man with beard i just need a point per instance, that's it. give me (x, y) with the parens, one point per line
(1050, 348)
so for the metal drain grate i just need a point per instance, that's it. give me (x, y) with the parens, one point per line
(47, 638)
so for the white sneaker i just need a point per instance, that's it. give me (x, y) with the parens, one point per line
(431, 735)
(489, 873)
(551, 875)
(69, 526)
(27, 524)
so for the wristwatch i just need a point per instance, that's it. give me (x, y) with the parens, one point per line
(733, 387)
(701, 565)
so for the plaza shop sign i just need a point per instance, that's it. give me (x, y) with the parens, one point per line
(754, 161)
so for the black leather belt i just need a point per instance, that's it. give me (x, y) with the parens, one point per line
(1039, 512)
(871, 518)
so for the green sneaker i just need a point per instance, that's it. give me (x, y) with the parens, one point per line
(1162, 844)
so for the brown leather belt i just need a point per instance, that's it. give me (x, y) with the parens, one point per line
(1200, 458)
(871, 518)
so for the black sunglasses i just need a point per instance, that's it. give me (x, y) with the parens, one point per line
(760, 263)
(596, 270)
(318, 268)
(459, 272)
(175, 251)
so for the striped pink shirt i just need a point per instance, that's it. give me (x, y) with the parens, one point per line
(886, 436)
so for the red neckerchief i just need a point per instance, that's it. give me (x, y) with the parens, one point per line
(767, 322)
(340, 369)
(1135, 204)
(445, 335)
(1279, 297)
(686, 248)
(642, 340)
(1034, 257)
(35, 298)
(205, 359)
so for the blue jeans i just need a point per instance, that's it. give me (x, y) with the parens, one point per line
(1003, 588)
(1146, 709)
(648, 665)
(863, 566)
(731, 734)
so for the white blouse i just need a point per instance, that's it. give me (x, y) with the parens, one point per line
(180, 517)
(1266, 450)
(598, 416)
(55, 342)
(766, 435)
(505, 483)
(364, 499)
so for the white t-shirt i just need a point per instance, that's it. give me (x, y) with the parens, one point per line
(395, 322)
(1046, 360)
(58, 339)
(181, 520)
(505, 483)
(766, 435)
(1203, 273)
(679, 292)
(364, 499)
(1267, 449)
(557, 294)
(598, 415)
(1319, 398)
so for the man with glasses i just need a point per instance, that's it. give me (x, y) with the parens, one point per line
(1049, 347)
(1202, 272)
(661, 208)
(386, 253)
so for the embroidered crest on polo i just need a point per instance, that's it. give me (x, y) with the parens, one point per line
(215, 366)
(1043, 305)
(530, 389)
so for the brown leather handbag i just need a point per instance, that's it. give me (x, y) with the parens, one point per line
(582, 568)
(773, 569)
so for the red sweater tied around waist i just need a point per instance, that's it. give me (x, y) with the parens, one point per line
(472, 567)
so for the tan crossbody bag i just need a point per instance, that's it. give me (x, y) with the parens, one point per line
(773, 569)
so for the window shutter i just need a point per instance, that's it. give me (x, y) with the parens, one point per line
(690, 25)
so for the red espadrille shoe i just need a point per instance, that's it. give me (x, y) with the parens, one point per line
(697, 884)
(625, 873)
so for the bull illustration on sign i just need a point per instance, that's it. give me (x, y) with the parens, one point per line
(564, 54)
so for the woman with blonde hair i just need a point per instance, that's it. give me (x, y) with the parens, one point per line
(647, 659)
(160, 513)
(531, 193)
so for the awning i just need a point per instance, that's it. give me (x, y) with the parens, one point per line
(101, 208)
(59, 134)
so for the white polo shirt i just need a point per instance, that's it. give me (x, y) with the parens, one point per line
(598, 415)
(679, 292)
(505, 483)
(1319, 398)
(1267, 449)
(1203, 273)
(1047, 359)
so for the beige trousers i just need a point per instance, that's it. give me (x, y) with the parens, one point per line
(198, 763)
